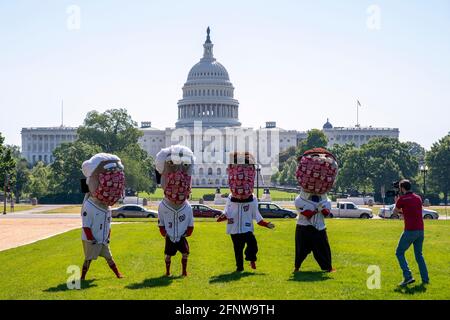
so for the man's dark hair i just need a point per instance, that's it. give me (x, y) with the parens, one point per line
(405, 184)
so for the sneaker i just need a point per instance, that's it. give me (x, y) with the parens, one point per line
(239, 269)
(253, 264)
(332, 270)
(184, 274)
(425, 281)
(405, 282)
(296, 270)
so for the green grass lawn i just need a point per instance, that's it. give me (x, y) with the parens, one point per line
(38, 271)
(17, 207)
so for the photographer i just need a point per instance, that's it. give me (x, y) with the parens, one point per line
(409, 205)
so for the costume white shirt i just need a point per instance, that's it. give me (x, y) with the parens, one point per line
(174, 221)
(302, 203)
(240, 215)
(97, 219)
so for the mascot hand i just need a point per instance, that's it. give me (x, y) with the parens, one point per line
(221, 218)
(163, 231)
(270, 225)
(325, 211)
(308, 213)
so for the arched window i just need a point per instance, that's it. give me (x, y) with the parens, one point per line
(217, 182)
(197, 182)
(210, 171)
(200, 171)
(219, 171)
(203, 181)
(224, 182)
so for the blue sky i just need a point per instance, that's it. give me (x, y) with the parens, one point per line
(294, 62)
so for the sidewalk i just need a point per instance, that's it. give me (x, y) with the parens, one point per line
(16, 231)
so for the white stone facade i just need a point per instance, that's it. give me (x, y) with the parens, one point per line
(38, 144)
(357, 135)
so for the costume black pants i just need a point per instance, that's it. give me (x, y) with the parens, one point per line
(239, 242)
(307, 239)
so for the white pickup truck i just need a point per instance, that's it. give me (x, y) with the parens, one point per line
(350, 210)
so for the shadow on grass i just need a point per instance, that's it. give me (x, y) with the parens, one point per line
(309, 276)
(161, 281)
(85, 284)
(233, 276)
(420, 288)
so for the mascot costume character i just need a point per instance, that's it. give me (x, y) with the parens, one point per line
(175, 218)
(242, 208)
(104, 186)
(316, 173)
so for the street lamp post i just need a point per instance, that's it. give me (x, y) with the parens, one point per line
(5, 192)
(258, 170)
(424, 170)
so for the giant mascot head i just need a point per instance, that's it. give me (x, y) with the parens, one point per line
(241, 175)
(105, 179)
(316, 171)
(174, 167)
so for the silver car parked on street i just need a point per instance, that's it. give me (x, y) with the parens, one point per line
(133, 211)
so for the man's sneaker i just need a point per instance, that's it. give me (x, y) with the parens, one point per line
(253, 264)
(405, 282)
(239, 269)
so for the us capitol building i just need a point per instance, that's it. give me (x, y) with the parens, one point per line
(208, 123)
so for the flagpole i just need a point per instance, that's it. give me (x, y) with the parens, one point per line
(357, 113)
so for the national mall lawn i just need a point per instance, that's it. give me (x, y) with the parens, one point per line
(39, 270)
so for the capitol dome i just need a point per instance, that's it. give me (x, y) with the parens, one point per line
(208, 94)
(327, 125)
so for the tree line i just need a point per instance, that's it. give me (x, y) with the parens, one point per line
(377, 164)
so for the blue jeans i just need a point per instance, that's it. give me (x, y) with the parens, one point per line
(416, 238)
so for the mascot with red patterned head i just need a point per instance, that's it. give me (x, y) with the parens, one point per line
(316, 173)
(174, 167)
(242, 208)
(104, 186)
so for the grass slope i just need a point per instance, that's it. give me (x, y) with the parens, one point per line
(38, 271)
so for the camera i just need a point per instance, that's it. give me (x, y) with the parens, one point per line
(396, 190)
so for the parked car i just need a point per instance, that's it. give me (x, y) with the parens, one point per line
(133, 211)
(388, 213)
(202, 211)
(350, 210)
(272, 210)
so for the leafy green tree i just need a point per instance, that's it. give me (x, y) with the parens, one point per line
(112, 130)
(315, 139)
(438, 161)
(39, 180)
(139, 169)
(353, 174)
(285, 155)
(66, 169)
(22, 178)
(416, 150)
(390, 148)
(341, 152)
(7, 163)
